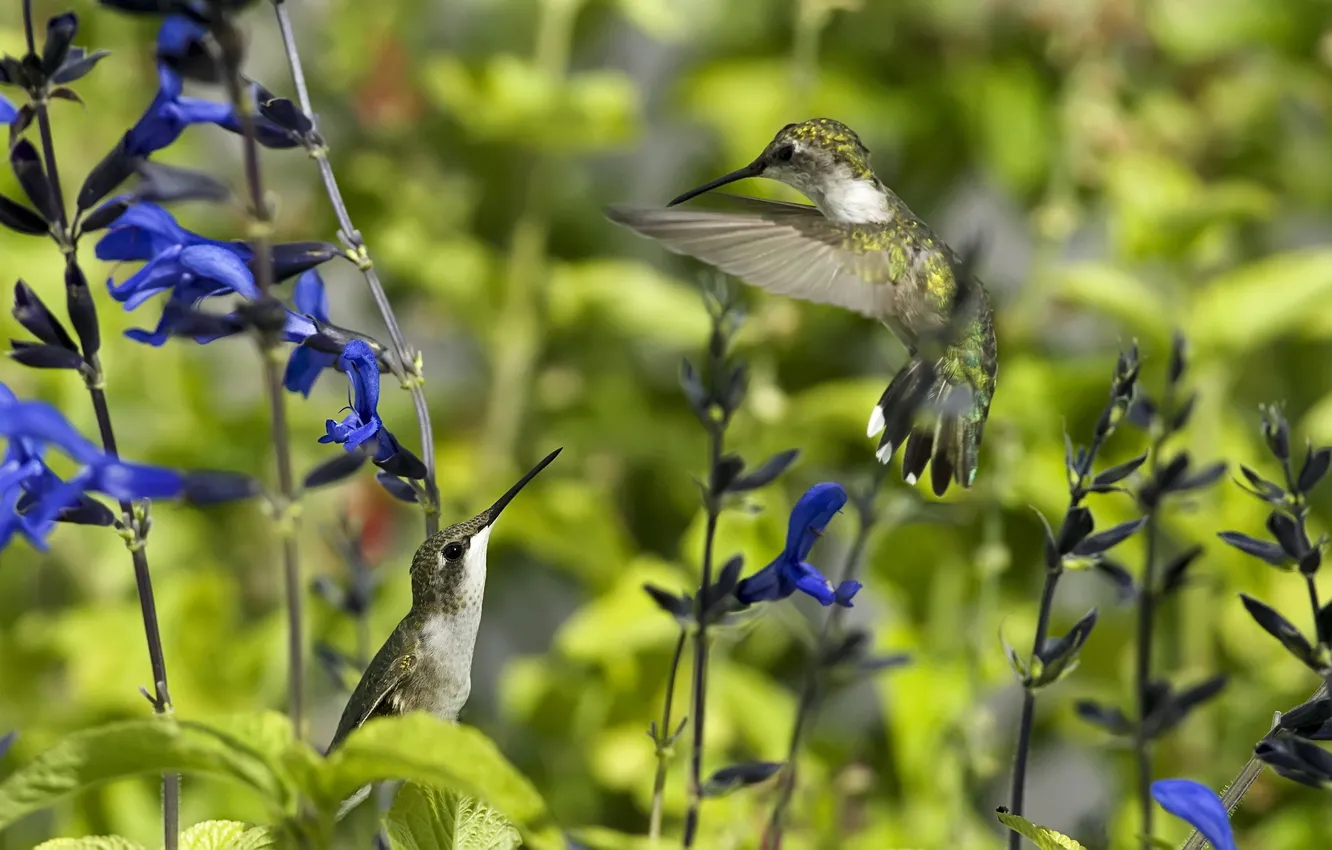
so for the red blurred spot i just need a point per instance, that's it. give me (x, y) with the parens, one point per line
(388, 98)
(374, 509)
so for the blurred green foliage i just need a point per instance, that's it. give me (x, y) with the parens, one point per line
(1130, 167)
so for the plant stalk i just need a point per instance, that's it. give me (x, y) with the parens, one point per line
(809, 691)
(715, 432)
(270, 350)
(143, 580)
(664, 734)
(1018, 790)
(413, 379)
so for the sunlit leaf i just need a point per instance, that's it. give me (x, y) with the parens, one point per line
(1044, 837)
(426, 818)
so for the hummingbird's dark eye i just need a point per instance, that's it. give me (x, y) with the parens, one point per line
(784, 153)
(453, 551)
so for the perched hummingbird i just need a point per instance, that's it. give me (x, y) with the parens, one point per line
(426, 664)
(858, 247)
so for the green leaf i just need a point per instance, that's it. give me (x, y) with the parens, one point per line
(1261, 302)
(428, 751)
(426, 818)
(226, 835)
(1044, 837)
(92, 842)
(239, 749)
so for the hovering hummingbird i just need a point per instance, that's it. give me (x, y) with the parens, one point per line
(861, 248)
(426, 664)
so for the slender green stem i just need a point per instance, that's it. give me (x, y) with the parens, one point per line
(809, 691)
(1019, 785)
(695, 788)
(407, 358)
(270, 350)
(516, 338)
(664, 739)
(133, 526)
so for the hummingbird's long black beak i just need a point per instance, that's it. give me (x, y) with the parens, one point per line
(494, 511)
(754, 169)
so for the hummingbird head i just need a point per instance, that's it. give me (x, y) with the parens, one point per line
(822, 159)
(449, 568)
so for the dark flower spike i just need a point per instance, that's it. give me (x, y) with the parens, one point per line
(1059, 657)
(396, 487)
(82, 310)
(290, 259)
(1288, 535)
(1281, 629)
(1167, 709)
(1296, 759)
(732, 778)
(1107, 717)
(679, 607)
(41, 356)
(60, 32)
(1111, 537)
(1120, 577)
(1105, 481)
(20, 219)
(1269, 552)
(338, 468)
(1313, 720)
(1175, 573)
(78, 63)
(1077, 525)
(1259, 486)
(39, 321)
(163, 184)
(1197, 805)
(767, 473)
(306, 364)
(1315, 467)
(788, 572)
(728, 467)
(1178, 359)
(1276, 433)
(27, 165)
(698, 397)
(213, 487)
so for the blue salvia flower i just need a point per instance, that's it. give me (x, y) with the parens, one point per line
(27, 483)
(1199, 806)
(8, 112)
(170, 112)
(306, 363)
(789, 572)
(362, 423)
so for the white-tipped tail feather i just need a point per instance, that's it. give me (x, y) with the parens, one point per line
(877, 422)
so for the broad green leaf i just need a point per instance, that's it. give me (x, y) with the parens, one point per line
(226, 835)
(423, 749)
(426, 818)
(231, 750)
(92, 842)
(1044, 837)
(1260, 302)
(1115, 293)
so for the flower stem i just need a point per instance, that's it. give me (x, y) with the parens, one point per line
(664, 734)
(261, 226)
(1019, 785)
(1146, 616)
(143, 580)
(809, 692)
(715, 433)
(413, 379)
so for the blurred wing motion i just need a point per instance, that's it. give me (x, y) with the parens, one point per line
(790, 249)
(897, 272)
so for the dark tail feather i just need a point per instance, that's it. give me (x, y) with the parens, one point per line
(940, 421)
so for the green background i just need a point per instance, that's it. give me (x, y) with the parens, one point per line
(1129, 167)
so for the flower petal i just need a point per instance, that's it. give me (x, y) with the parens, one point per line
(129, 481)
(846, 591)
(766, 585)
(8, 112)
(219, 264)
(309, 295)
(811, 515)
(304, 368)
(1198, 805)
(810, 581)
(37, 420)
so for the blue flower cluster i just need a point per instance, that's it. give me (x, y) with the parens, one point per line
(789, 572)
(33, 497)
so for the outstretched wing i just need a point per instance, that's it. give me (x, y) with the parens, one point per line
(791, 249)
(378, 693)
